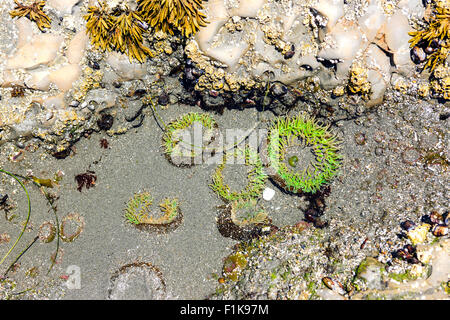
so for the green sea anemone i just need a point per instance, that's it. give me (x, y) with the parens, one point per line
(170, 15)
(302, 134)
(256, 177)
(138, 212)
(138, 207)
(183, 149)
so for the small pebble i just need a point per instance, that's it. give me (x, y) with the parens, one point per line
(268, 194)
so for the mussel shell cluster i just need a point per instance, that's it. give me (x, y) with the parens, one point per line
(408, 253)
(439, 223)
(420, 52)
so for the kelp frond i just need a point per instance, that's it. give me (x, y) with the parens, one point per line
(119, 30)
(171, 15)
(34, 12)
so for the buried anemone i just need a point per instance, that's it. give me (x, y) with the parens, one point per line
(72, 225)
(244, 220)
(256, 177)
(301, 137)
(137, 280)
(183, 148)
(138, 212)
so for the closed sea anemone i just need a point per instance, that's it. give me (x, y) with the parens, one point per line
(173, 15)
(315, 146)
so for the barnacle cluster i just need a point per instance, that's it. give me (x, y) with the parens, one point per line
(358, 82)
(302, 133)
(173, 15)
(138, 212)
(118, 29)
(433, 40)
(34, 12)
(180, 147)
(256, 177)
(440, 82)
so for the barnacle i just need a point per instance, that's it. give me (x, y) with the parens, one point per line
(179, 147)
(170, 15)
(436, 35)
(358, 82)
(34, 12)
(256, 176)
(309, 139)
(120, 30)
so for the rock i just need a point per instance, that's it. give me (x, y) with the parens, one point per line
(104, 98)
(268, 194)
(25, 30)
(372, 21)
(39, 80)
(41, 50)
(8, 78)
(370, 271)
(65, 76)
(77, 45)
(64, 6)
(331, 9)
(247, 8)
(396, 31)
(122, 67)
(347, 40)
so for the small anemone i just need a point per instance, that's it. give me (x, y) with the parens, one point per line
(72, 225)
(302, 132)
(173, 15)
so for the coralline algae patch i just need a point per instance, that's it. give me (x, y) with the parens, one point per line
(293, 41)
